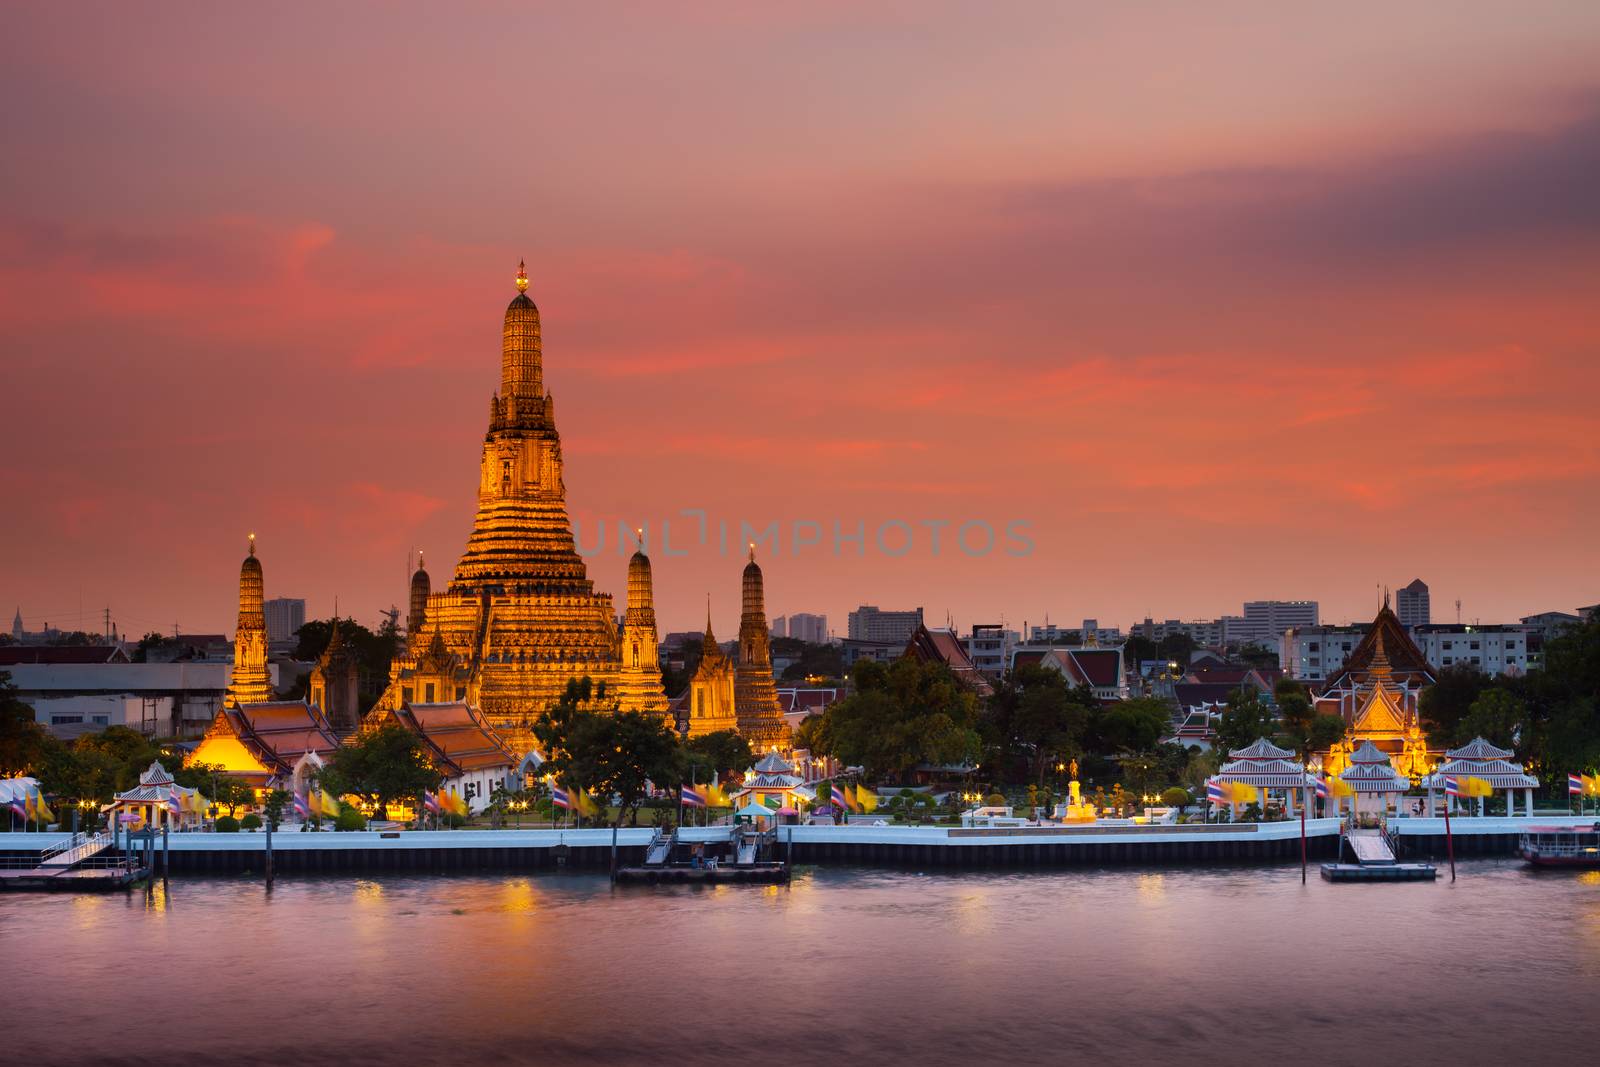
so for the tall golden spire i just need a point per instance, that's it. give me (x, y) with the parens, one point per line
(522, 276)
(250, 683)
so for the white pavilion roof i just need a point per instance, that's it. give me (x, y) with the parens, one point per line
(1499, 773)
(1261, 749)
(1479, 749)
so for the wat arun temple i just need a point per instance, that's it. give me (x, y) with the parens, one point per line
(520, 617)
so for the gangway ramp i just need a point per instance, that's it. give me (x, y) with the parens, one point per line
(1370, 847)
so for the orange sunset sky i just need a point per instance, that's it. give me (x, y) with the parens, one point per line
(1225, 301)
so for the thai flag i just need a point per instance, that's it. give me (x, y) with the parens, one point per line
(559, 798)
(691, 796)
(430, 801)
(19, 801)
(1217, 793)
(174, 805)
(302, 807)
(1452, 786)
(1322, 789)
(838, 798)
(1575, 784)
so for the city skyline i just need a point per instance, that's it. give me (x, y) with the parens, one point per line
(1211, 343)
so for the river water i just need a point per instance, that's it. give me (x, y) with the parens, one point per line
(845, 966)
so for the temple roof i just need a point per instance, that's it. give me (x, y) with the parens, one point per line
(772, 763)
(460, 739)
(1261, 749)
(1096, 667)
(1386, 651)
(275, 735)
(155, 774)
(943, 646)
(1497, 772)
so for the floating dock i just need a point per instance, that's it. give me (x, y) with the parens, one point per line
(1379, 872)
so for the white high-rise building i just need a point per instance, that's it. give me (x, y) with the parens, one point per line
(1411, 604)
(285, 615)
(1265, 621)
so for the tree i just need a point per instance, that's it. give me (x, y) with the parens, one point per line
(1446, 702)
(380, 767)
(1177, 797)
(724, 751)
(1246, 721)
(901, 714)
(1128, 726)
(607, 751)
(1495, 715)
(1037, 718)
(277, 800)
(153, 642)
(23, 742)
(1304, 729)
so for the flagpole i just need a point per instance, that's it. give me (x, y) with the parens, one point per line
(1449, 842)
(1305, 798)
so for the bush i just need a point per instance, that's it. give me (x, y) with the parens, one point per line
(250, 822)
(1176, 797)
(350, 819)
(453, 821)
(994, 800)
(227, 825)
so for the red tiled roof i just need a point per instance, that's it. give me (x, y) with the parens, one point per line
(459, 737)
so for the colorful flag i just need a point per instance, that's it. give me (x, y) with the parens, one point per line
(1577, 784)
(302, 807)
(838, 798)
(586, 803)
(715, 797)
(430, 801)
(42, 810)
(19, 801)
(559, 798)
(692, 797)
(1592, 784)
(327, 805)
(174, 802)
(1322, 789)
(1217, 792)
(867, 799)
(1452, 786)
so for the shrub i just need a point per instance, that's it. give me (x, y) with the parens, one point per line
(454, 821)
(1176, 797)
(994, 800)
(227, 825)
(350, 819)
(250, 822)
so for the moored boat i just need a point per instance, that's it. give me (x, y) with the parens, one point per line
(1561, 846)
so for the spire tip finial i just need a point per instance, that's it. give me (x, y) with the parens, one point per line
(522, 276)
(252, 544)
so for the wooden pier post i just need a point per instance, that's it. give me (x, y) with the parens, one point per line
(269, 855)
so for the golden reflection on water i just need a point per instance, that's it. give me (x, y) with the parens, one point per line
(368, 894)
(156, 897)
(517, 895)
(1152, 888)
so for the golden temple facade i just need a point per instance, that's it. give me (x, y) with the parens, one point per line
(520, 617)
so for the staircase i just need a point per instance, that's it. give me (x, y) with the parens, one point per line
(659, 851)
(74, 850)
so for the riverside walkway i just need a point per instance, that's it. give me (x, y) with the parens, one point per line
(922, 846)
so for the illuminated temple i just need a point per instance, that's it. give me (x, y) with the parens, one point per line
(1376, 694)
(520, 617)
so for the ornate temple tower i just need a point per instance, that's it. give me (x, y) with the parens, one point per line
(520, 617)
(755, 697)
(335, 685)
(421, 586)
(640, 682)
(712, 705)
(250, 683)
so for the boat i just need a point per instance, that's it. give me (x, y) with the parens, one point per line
(1560, 846)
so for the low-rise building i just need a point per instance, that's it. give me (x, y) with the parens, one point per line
(158, 699)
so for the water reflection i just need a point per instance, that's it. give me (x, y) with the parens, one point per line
(874, 966)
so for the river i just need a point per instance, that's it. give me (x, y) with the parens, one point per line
(1231, 965)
